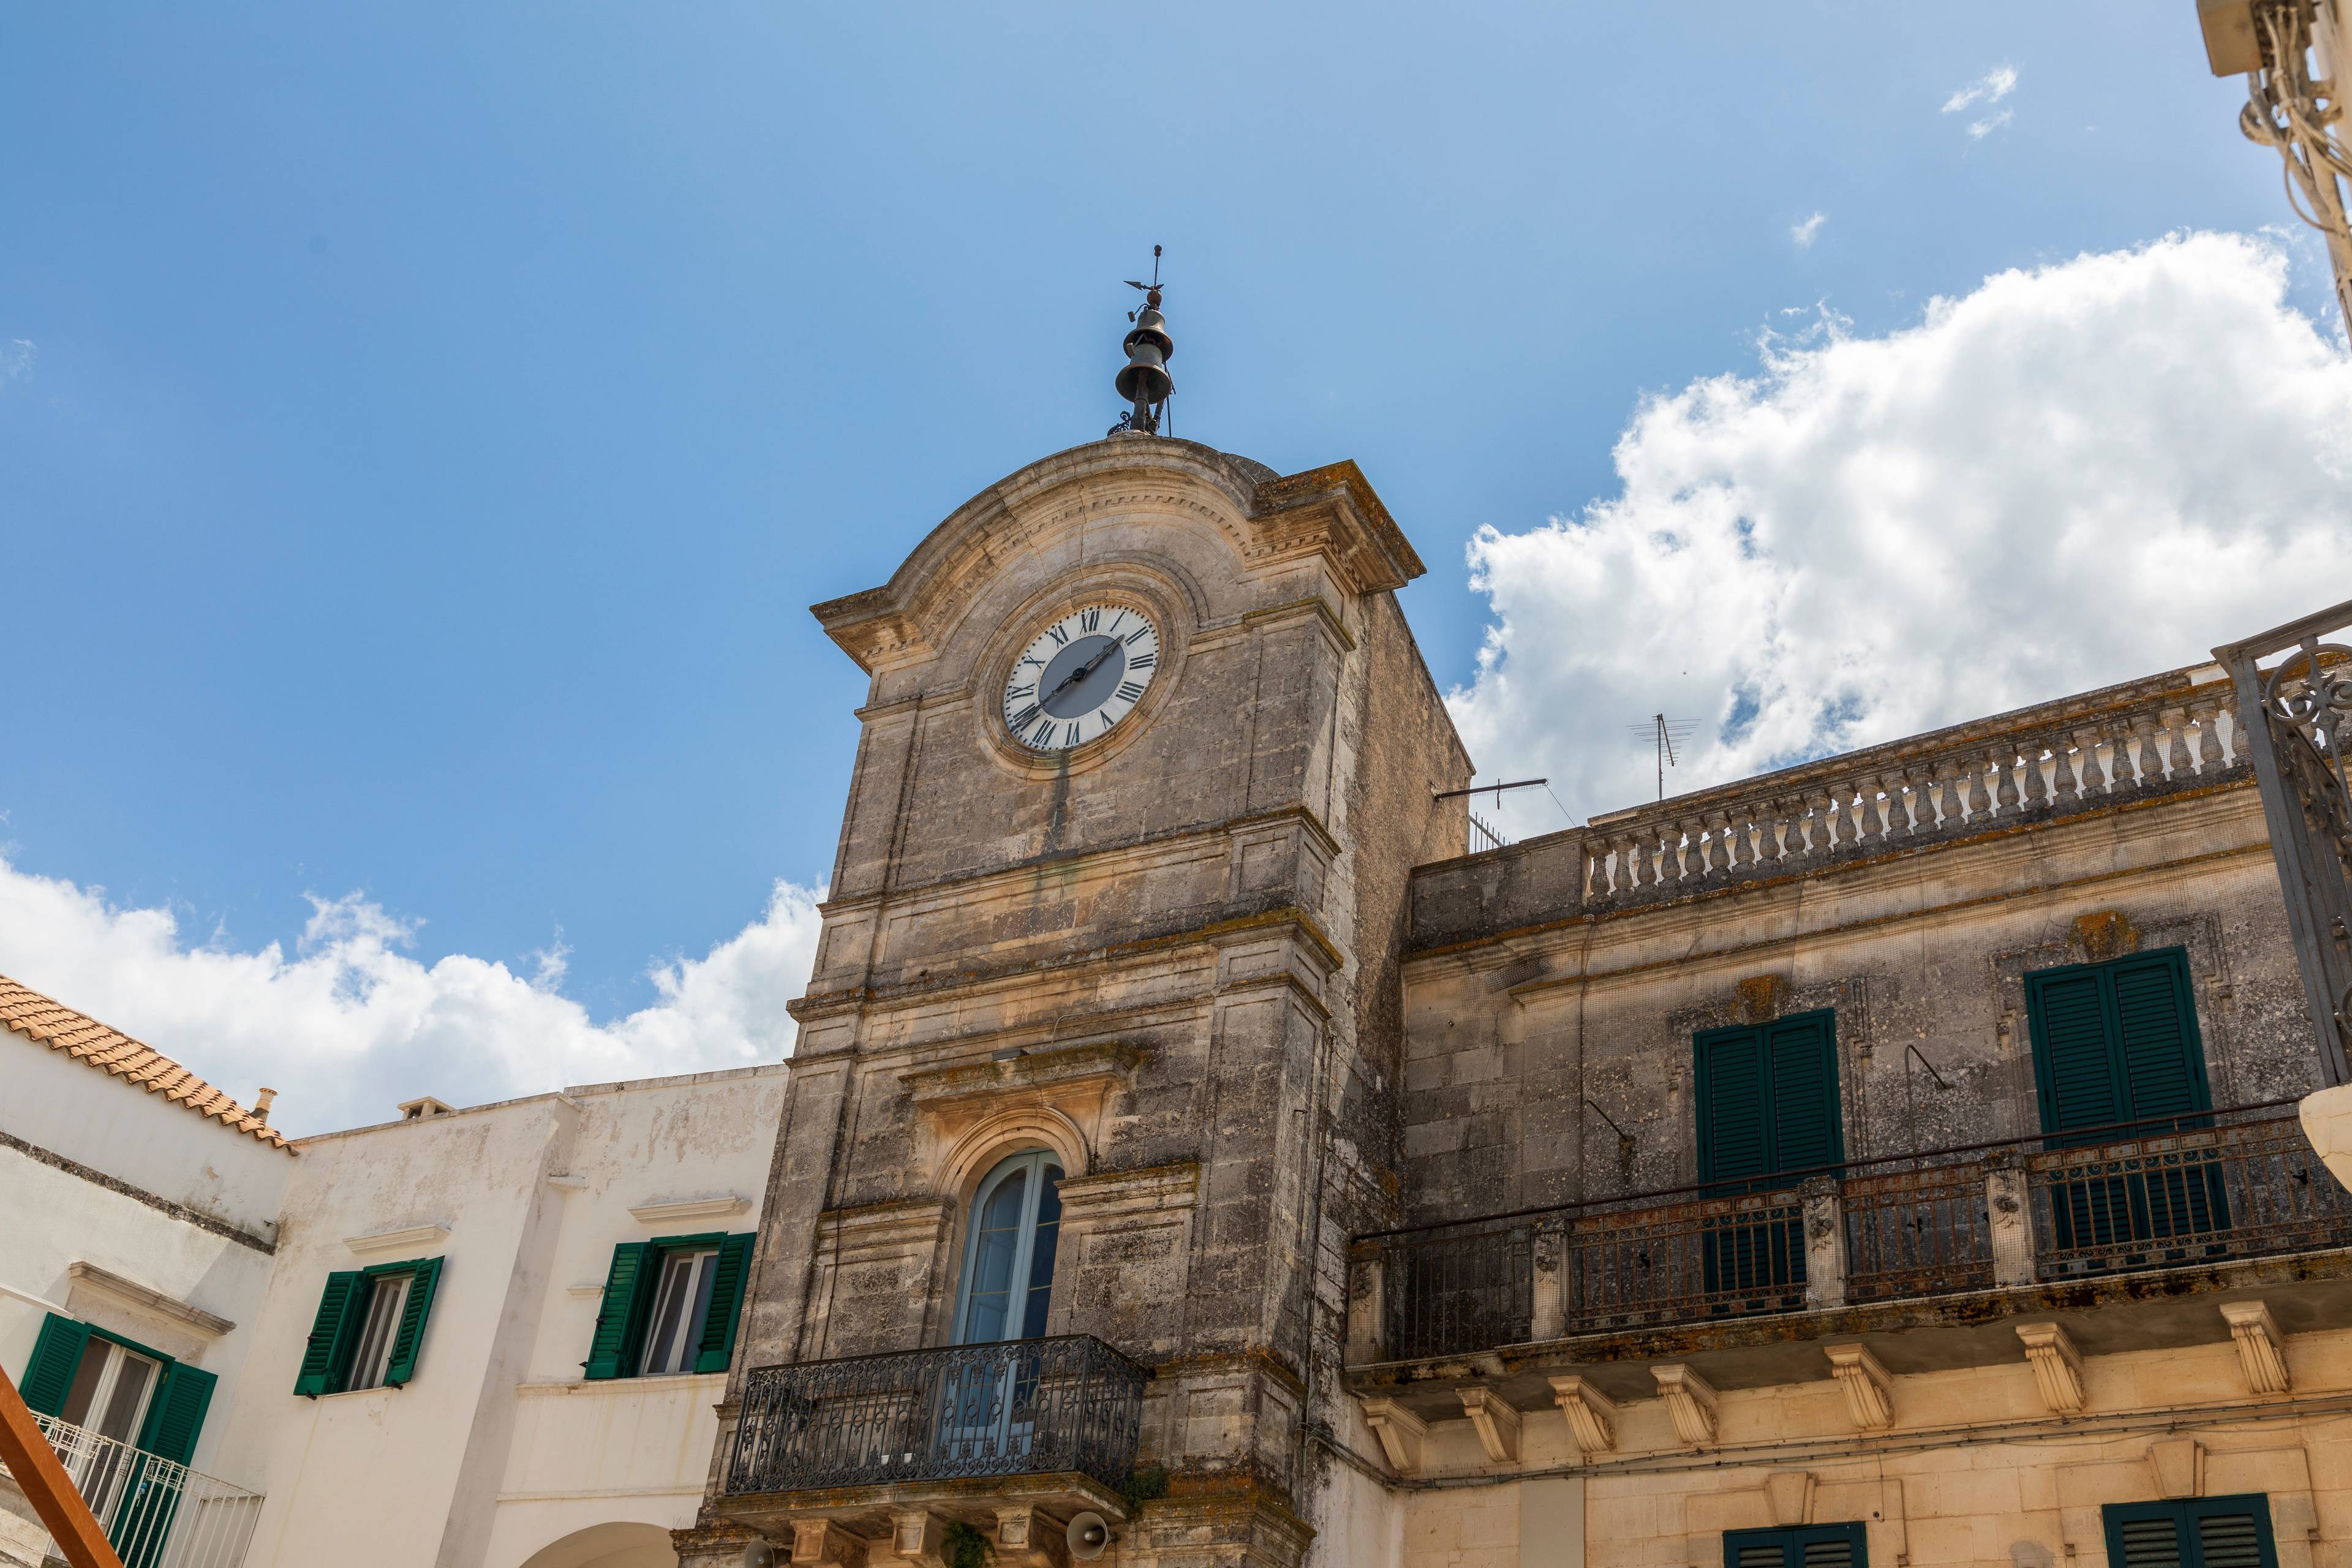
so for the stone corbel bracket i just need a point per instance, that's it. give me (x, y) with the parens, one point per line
(2057, 1367)
(2262, 1349)
(1869, 1391)
(824, 1543)
(1496, 1422)
(1690, 1400)
(1401, 1434)
(1591, 1414)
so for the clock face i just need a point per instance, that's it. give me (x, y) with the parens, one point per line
(1082, 675)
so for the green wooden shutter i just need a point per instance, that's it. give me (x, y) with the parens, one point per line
(2195, 1533)
(1801, 1054)
(1810, 1546)
(716, 1351)
(2163, 1060)
(176, 1414)
(423, 1276)
(330, 1334)
(626, 1281)
(2074, 1051)
(57, 1357)
(1734, 1139)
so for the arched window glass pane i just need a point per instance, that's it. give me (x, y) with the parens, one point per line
(995, 1253)
(1041, 1254)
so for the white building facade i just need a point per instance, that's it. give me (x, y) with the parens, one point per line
(491, 1337)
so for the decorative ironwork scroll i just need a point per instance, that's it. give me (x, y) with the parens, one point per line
(2305, 699)
(1020, 1407)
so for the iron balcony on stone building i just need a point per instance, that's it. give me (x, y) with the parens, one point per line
(2083, 1144)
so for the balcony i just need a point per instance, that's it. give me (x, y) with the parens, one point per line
(899, 1443)
(157, 1514)
(2055, 1222)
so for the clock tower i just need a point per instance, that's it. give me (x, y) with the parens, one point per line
(1095, 1070)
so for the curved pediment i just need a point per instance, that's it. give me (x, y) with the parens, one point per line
(1261, 515)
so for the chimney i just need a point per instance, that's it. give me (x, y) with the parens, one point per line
(263, 1099)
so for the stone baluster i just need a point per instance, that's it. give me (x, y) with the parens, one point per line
(2094, 782)
(2145, 768)
(2207, 714)
(1637, 861)
(1943, 796)
(1861, 816)
(2066, 776)
(1692, 858)
(1873, 811)
(2000, 765)
(1722, 858)
(2037, 787)
(2176, 754)
(1973, 795)
(1918, 811)
(1596, 877)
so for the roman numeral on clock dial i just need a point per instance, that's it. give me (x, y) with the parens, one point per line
(1080, 676)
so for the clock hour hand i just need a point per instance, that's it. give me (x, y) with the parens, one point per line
(1080, 673)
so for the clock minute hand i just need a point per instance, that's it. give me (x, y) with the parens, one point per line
(1081, 672)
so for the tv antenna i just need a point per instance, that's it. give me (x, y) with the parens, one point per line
(1663, 733)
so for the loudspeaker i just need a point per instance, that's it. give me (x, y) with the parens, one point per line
(758, 1555)
(1088, 1534)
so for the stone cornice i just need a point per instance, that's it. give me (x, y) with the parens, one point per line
(1036, 1067)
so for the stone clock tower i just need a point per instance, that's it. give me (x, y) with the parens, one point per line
(1095, 1072)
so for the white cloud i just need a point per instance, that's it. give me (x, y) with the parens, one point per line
(1988, 88)
(17, 358)
(349, 1024)
(1980, 128)
(1803, 233)
(2072, 476)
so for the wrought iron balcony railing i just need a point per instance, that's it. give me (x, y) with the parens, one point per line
(1021, 1407)
(158, 1514)
(2206, 1188)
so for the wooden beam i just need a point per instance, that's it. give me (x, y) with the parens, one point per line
(34, 1465)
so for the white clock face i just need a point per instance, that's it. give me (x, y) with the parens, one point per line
(1082, 675)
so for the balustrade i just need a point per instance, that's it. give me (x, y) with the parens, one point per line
(2079, 754)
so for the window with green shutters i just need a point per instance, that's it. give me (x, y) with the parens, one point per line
(1767, 1106)
(2118, 1043)
(2192, 1532)
(670, 1305)
(369, 1330)
(1810, 1546)
(172, 1414)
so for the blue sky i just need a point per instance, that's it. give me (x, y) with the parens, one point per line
(428, 424)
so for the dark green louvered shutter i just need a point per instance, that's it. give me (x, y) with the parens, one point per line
(1812, 1546)
(2163, 1059)
(625, 1282)
(1768, 1098)
(57, 1357)
(2116, 1041)
(2194, 1532)
(717, 1348)
(330, 1333)
(1733, 1137)
(1801, 1055)
(176, 1414)
(2074, 1051)
(423, 1276)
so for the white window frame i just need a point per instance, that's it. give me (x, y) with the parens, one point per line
(387, 1303)
(688, 1273)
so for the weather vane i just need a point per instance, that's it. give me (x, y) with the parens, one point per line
(1144, 381)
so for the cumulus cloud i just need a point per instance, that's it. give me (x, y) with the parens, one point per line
(350, 1024)
(1988, 88)
(2074, 475)
(1803, 233)
(1980, 128)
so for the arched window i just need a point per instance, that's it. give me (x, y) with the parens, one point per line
(1008, 1259)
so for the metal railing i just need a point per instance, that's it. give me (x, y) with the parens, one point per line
(2299, 756)
(158, 1513)
(1020, 1407)
(2183, 1190)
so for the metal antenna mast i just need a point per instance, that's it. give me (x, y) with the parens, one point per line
(1145, 382)
(1664, 733)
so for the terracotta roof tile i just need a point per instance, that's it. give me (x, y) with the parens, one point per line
(84, 1038)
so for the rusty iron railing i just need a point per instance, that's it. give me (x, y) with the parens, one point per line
(2185, 1190)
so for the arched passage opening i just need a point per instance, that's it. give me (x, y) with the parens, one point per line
(621, 1545)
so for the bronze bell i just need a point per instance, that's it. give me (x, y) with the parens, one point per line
(1145, 380)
